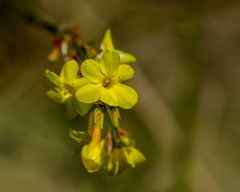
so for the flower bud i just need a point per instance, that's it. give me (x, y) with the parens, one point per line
(98, 117)
(133, 156)
(92, 156)
(117, 162)
(124, 137)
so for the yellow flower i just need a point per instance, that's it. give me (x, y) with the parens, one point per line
(117, 162)
(92, 154)
(107, 45)
(123, 157)
(105, 82)
(66, 85)
(133, 156)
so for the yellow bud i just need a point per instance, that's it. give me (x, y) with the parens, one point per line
(133, 156)
(117, 162)
(92, 156)
(126, 141)
(124, 138)
(96, 134)
(98, 117)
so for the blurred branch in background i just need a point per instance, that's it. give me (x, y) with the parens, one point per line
(28, 11)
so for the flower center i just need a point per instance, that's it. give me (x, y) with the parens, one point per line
(107, 82)
(69, 88)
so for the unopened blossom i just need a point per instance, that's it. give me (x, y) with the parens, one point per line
(121, 158)
(117, 162)
(92, 155)
(133, 156)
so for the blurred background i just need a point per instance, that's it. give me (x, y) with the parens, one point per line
(187, 75)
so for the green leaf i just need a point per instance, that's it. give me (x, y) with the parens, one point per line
(109, 63)
(107, 43)
(82, 108)
(70, 112)
(89, 93)
(69, 71)
(52, 77)
(125, 72)
(126, 58)
(91, 71)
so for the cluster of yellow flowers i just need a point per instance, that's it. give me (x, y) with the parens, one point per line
(114, 151)
(95, 87)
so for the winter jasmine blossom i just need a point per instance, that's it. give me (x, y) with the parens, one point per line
(104, 82)
(92, 154)
(107, 45)
(123, 157)
(66, 85)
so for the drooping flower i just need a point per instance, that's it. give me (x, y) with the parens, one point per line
(107, 45)
(105, 79)
(133, 156)
(121, 158)
(92, 154)
(117, 162)
(120, 154)
(66, 85)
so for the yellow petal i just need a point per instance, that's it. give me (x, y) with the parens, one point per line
(69, 72)
(125, 72)
(53, 77)
(126, 96)
(109, 63)
(109, 97)
(133, 156)
(57, 95)
(125, 57)
(91, 71)
(107, 43)
(92, 156)
(89, 93)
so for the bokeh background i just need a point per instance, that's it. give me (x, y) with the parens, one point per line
(187, 75)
